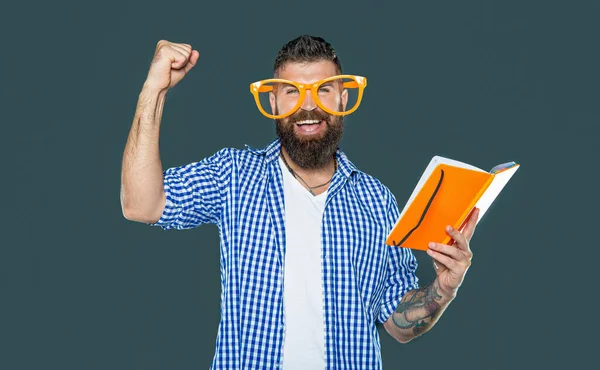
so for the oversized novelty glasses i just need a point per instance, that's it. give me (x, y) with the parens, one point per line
(328, 94)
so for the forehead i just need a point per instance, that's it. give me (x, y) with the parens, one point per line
(307, 72)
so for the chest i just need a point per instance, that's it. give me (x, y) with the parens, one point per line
(349, 229)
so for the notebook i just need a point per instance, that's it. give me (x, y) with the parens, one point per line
(446, 194)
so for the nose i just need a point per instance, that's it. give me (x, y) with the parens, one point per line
(309, 103)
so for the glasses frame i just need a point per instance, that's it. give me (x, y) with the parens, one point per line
(358, 82)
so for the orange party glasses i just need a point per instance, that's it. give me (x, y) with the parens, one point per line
(327, 94)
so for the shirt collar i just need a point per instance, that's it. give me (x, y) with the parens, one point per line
(271, 153)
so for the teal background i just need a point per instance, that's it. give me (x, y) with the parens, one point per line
(483, 82)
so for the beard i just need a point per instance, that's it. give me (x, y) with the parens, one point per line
(311, 152)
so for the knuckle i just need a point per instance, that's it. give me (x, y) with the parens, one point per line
(162, 48)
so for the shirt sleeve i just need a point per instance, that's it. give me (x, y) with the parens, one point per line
(196, 192)
(401, 270)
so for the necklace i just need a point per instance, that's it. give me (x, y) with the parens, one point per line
(310, 188)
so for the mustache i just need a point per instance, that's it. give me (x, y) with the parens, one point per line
(315, 114)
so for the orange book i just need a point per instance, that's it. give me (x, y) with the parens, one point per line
(446, 194)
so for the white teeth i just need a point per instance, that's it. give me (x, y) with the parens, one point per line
(308, 122)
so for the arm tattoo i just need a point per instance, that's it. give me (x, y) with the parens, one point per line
(419, 309)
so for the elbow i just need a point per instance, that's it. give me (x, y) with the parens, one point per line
(126, 209)
(138, 214)
(401, 336)
(128, 214)
(134, 215)
(402, 339)
(148, 212)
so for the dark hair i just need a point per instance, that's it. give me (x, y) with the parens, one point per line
(306, 49)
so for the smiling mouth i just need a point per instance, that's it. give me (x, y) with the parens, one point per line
(310, 125)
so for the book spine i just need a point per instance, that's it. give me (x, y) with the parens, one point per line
(461, 221)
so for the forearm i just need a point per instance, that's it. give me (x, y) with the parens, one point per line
(418, 312)
(142, 191)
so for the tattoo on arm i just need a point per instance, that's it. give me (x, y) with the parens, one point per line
(419, 309)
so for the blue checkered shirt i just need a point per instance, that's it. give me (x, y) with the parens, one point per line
(241, 191)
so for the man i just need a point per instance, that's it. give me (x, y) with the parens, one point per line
(305, 272)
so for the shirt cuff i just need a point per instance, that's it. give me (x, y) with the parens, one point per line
(171, 212)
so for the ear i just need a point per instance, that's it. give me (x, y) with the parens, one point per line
(272, 102)
(344, 98)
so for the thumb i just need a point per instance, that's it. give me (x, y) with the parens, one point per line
(192, 61)
(439, 267)
(178, 60)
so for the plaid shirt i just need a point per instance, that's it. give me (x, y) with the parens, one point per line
(241, 191)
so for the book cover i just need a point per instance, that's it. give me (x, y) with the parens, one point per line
(446, 194)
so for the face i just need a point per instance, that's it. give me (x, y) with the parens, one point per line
(310, 135)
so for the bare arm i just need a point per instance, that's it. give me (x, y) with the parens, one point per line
(420, 309)
(142, 190)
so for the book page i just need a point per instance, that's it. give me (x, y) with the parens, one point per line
(430, 167)
(498, 183)
(502, 167)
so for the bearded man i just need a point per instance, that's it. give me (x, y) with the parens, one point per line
(305, 271)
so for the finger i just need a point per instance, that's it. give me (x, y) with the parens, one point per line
(181, 49)
(458, 238)
(187, 47)
(191, 55)
(450, 251)
(457, 254)
(471, 224)
(192, 61)
(177, 58)
(448, 262)
(181, 62)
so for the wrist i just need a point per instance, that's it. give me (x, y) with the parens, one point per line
(444, 296)
(150, 89)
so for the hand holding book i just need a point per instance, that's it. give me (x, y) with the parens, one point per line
(451, 262)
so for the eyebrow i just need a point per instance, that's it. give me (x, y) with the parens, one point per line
(333, 83)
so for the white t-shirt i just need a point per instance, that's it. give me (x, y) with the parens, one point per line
(304, 340)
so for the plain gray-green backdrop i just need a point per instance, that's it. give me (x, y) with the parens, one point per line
(485, 82)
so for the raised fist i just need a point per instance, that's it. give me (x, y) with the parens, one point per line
(171, 62)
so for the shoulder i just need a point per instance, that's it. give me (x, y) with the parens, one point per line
(374, 189)
(227, 156)
(367, 186)
(239, 160)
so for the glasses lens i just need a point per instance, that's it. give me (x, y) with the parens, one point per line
(332, 93)
(284, 96)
